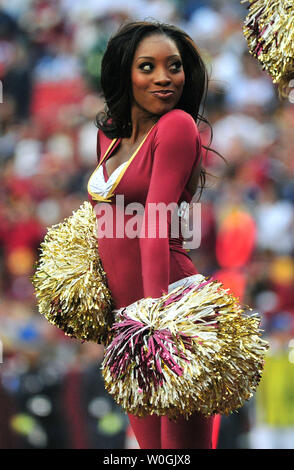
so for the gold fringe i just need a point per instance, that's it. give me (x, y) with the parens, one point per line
(269, 31)
(217, 346)
(70, 283)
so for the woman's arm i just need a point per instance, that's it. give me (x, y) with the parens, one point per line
(177, 146)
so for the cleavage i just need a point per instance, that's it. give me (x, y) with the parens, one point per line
(120, 155)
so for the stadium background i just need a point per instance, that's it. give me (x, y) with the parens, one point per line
(51, 391)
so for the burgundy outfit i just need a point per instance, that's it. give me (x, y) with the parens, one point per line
(143, 266)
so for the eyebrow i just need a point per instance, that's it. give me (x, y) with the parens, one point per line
(150, 57)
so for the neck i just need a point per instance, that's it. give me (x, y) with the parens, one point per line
(141, 124)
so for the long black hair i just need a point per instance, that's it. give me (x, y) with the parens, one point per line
(115, 120)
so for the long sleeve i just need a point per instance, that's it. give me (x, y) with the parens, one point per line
(98, 148)
(177, 147)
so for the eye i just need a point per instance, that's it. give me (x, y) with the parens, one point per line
(176, 66)
(146, 66)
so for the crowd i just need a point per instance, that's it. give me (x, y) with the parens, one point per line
(52, 394)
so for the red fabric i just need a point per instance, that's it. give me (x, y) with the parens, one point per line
(154, 432)
(215, 430)
(143, 267)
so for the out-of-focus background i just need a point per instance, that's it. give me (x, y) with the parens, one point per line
(51, 391)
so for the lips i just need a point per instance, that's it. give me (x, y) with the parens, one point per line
(163, 94)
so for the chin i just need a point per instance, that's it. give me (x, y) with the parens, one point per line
(163, 109)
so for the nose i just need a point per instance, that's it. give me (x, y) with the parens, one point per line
(162, 77)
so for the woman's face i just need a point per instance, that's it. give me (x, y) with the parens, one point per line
(157, 75)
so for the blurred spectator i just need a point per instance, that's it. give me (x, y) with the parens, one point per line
(275, 222)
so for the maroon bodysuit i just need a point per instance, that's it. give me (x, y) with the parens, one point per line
(144, 267)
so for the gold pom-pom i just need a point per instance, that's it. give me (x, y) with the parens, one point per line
(269, 31)
(70, 283)
(193, 349)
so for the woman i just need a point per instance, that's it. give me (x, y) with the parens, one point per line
(149, 152)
